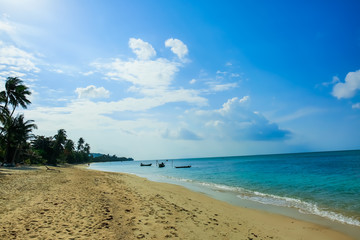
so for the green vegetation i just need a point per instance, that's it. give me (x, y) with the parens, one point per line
(58, 150)
(107, 158)
(19, 145)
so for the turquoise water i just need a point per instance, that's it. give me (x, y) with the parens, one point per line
(326, 184)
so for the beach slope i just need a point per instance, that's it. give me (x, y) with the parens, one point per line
(77, 203)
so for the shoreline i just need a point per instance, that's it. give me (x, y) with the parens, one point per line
(231, 198)
(292, 212)
(81, 203)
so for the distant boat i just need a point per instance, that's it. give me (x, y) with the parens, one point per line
(189, 166)
(145, 164)
(161, 165)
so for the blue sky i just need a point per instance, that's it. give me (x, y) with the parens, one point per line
(174, 79)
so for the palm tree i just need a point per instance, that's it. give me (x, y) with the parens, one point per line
(87, 148)
(4, 111)
(43, 146)
(59, 144)
(15, 94)
(4, 115)
(16, 133)
(69, 145)
(60, 139)
(80, 146)
(69, 151)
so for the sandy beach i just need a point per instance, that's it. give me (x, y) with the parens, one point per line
(77, 203)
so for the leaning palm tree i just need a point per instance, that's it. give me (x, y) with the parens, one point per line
(14, 131)
(15, 94)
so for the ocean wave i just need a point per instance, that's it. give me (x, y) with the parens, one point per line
(303, 206)
(269, 199)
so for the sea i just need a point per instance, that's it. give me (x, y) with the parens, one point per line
(322, 187)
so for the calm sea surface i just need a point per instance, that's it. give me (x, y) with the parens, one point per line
(326, 184)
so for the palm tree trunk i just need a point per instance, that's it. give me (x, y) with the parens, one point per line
(12, 111)
(16, 153)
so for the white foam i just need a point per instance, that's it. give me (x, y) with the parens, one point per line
(302, 206)
(269, 199)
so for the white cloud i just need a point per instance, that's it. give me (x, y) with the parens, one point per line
(151, 78)
(6, 26)
(229, 105)
(356, 106)
(59, 71)
(87, 73)
(192, 81)
(348, 88)
(180, 134)
(83, 106)
(235, 121)
(143, 50)
(5, 74)
(92, 92)
(148, 74)
(223, 81)
(214, 123)
(244, 99)
(177, 47)
(175, 95)
(223, 87)
(16, 62)
(17, 59)
(18, 33)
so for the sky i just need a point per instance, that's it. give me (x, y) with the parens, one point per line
(181, 79)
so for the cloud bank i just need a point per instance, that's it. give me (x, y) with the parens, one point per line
(235, 121)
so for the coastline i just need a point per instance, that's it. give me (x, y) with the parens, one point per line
(81, 203)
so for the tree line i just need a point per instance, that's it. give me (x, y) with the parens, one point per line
(18, 144)
(108, 158)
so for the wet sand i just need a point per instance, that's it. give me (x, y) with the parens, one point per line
(77, 203)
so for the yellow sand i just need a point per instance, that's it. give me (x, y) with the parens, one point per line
(78, 203)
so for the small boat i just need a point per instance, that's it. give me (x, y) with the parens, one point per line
(145, 164)
(161, 165)
(189, 166)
